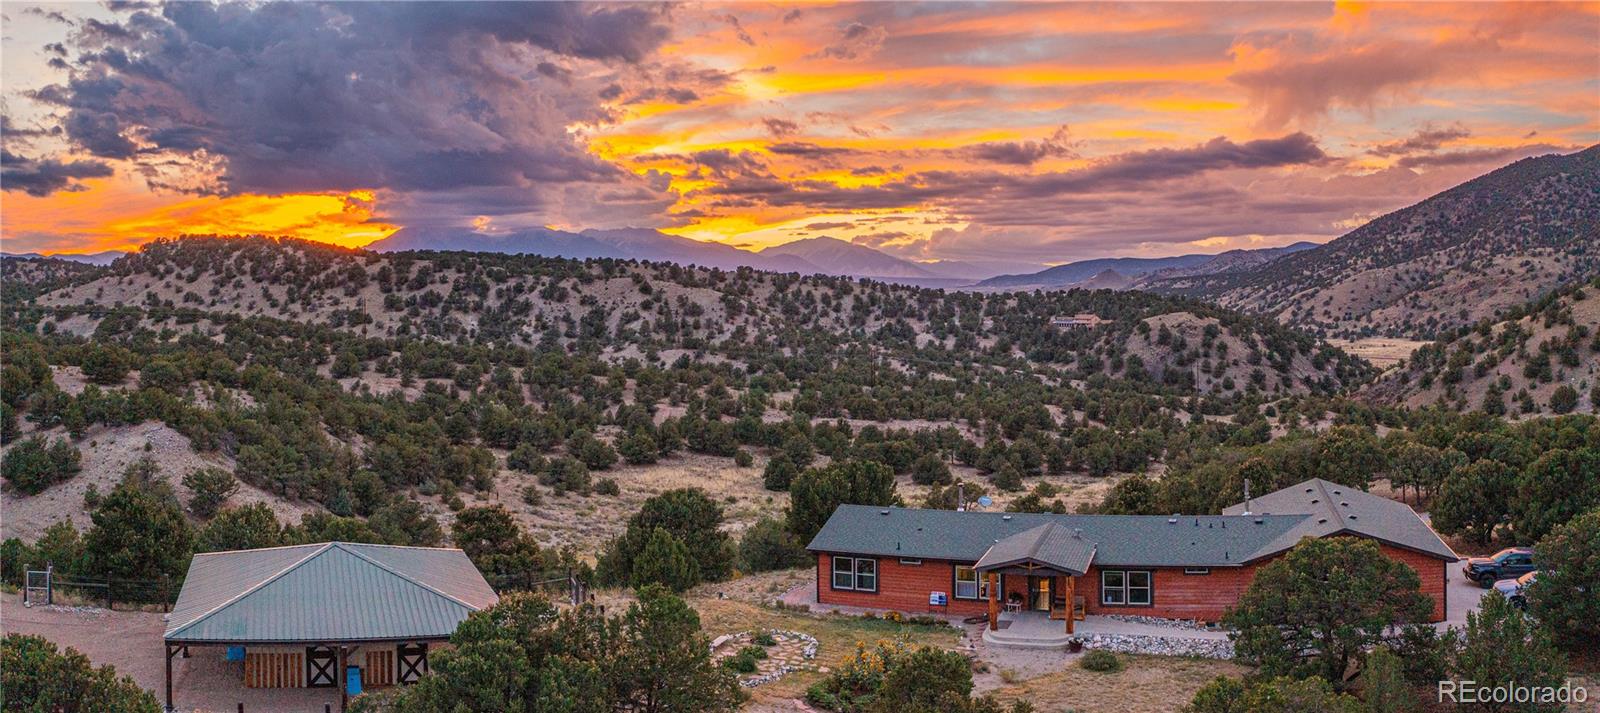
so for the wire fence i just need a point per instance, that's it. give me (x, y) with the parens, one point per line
(558, 584)
(50, 587)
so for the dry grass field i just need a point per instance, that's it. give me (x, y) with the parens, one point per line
(1383, 352)
(1146, 684)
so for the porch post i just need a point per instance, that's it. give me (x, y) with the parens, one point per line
(994, 603)
(344, 676)
(1072, 605)
(169, 676)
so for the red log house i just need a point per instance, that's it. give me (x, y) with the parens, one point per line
(1179, 566)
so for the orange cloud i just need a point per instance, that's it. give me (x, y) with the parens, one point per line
(112, 214)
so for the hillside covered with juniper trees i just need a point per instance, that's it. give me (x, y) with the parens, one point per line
(646, 424)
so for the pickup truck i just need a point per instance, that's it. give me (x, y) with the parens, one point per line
(1516, 590)
(1508, 563)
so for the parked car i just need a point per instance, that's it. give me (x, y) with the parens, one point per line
(1516, 590)
(1508, 563)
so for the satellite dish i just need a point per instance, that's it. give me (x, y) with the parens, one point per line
(985, 501)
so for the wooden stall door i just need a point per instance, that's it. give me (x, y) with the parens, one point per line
(413, 662)
(322, 667)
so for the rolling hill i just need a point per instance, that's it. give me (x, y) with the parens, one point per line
(338, 380)
(1459, 257)
(1540, 358)
(1136, 270)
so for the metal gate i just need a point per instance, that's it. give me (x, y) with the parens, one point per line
(36, 587)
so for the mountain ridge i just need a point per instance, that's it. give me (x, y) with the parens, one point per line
(1133, 268)
(1453, 259)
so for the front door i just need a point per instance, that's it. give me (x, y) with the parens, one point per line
(1039, 593)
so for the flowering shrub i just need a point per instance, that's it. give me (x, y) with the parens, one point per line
(858, 676)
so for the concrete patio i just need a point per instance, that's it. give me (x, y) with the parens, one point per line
(1035, 630)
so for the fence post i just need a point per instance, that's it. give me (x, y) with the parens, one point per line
(49, 583)
(25, 567)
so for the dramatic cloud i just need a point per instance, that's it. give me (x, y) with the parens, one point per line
(409, 97)
(1428, 138)
(930, 130)
(1022, 153)
(856, 42)
(780, 127)
(41, 177)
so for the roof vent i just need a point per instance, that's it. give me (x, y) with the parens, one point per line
(1352, 517)
(1308, 490)
(1259, 521)
(1197, 522)
(1321, 520)
(1314, 501)
(1338, 492)
(1224, 555)
(1005, 517)
(1077, 532)
(883, 512)
(1173, 520)
(1344, 503)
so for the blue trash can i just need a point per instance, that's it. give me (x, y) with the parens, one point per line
(352, 680)
(235, 653)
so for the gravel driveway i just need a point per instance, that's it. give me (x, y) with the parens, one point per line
(131, 641)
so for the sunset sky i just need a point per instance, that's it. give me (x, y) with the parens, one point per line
(1031, 133)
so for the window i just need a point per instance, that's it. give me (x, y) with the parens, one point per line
(1197, 570)
(855, 573)
(910, 562)
(970, 584)
(1126, 588)
(867, 575)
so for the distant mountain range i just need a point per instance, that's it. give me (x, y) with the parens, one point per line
(1126, 272)
(101, 258)
(822, 255)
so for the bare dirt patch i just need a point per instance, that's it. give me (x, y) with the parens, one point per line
(1146, 684)
(1383, 352)
(587, 522)
(106, 453)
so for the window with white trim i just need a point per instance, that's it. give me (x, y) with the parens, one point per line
(855, 573)
(970, 584)
(1121, 587)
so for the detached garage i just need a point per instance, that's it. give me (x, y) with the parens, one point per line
(328, 615)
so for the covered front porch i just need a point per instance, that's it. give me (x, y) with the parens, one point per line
(1048, 560)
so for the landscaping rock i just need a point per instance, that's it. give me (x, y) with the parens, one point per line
(793, 652)
(1159, 645)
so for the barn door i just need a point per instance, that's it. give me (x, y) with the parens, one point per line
(413, 662)
(322, 667)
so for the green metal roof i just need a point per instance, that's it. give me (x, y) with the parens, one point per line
(1331, 508)
(1117, 540)
(330, 592)
(1050, 545)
